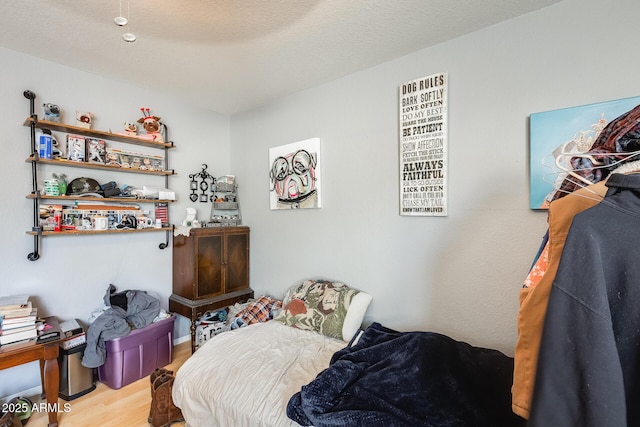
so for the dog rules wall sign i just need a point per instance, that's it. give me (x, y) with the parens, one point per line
(423, 146)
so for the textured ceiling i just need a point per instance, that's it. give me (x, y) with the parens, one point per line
(233, 55)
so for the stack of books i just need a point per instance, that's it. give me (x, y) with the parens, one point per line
(18, 319)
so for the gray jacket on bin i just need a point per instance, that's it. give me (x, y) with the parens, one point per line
(127, 310)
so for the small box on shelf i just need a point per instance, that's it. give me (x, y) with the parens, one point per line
(51, 217)
(162, 213)
(96, 150)
(132, 160)
(76, 149)
(45, 146)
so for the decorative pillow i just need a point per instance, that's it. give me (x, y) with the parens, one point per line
(330, 308)
(259, 310)
(355, 315)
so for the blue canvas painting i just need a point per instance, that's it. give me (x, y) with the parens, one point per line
(552, 132)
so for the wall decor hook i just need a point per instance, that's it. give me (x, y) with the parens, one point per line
(203, 182)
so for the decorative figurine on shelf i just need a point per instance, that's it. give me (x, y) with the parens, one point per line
(151, 125)
(84, 120)
(128, 222)
(51, 112)
(190, 219)
(113, 159)
(130, 128)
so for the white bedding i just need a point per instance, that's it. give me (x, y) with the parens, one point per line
(245, 377)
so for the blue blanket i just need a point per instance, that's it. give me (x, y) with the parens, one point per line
(412, 379)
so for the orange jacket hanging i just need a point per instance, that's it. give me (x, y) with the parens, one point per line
(534, 299)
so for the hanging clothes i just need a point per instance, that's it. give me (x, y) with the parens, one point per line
(612, 146)
(539, 268)
(542, 253)
(534, 297)
(587, 371)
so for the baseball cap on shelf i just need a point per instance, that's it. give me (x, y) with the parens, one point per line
(84, 187)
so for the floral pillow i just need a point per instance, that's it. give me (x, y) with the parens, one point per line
(325, 307)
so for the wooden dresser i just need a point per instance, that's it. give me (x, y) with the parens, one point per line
(210, 271)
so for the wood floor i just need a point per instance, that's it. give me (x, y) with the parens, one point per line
(105, 407)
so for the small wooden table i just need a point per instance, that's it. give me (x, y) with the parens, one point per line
(194, 309)
(47, 353)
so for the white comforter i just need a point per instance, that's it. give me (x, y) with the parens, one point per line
(246, 377)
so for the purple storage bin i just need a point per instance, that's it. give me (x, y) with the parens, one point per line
(138, 354)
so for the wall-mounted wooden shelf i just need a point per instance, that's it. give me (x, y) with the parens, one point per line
(61, 127)
(87, 232)
(70, 163)
(123, 200)
(36, 161)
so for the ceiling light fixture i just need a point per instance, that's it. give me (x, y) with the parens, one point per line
(121, 21)
(129, 37)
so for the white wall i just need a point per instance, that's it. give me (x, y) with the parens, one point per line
(461, 274)
(71, 277)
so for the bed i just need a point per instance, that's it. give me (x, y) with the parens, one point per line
(245, 377)
(290, 372)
